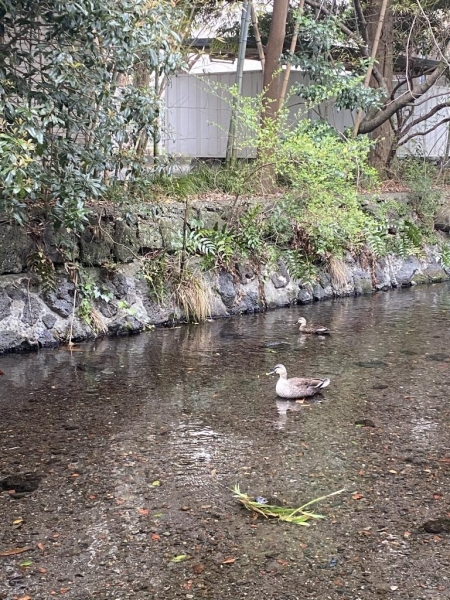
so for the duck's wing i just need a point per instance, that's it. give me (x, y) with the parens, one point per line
(321, 330)
(306, 382)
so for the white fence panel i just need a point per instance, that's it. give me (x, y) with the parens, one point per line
(198, 116)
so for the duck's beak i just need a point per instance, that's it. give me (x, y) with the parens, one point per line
(272, 372)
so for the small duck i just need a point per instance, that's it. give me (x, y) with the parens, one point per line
(318, 329)
(296, 387)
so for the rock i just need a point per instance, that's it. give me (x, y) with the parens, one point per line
(22, 482)
(226, 289)
(5, 305)
(365, 423)
(126, 244)
(441, 525)
(281, 277)
(407, 269)
(96, 245)
(32, 311)
(15, 247)
(49, 320)
(61, 300)
(304, 296)
(246, 273)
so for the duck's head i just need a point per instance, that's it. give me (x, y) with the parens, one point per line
(278, 370)
(301, 322)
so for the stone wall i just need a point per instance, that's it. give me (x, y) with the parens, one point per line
(32, 318)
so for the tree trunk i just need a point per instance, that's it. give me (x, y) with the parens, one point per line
(274, 48)
(382, 135)
(272, 87)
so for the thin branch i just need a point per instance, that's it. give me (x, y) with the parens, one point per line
(417, 133)
(369, 125)
(426, 116)
(372, 56)
(361, 20)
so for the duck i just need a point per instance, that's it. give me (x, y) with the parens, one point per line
(296, 387)
(317, 329)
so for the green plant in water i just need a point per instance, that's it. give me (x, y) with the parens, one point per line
(299, 516)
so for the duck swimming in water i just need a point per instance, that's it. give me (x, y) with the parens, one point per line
(317, 329)
(296, 387)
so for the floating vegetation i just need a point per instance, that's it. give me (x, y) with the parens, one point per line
(299, 516)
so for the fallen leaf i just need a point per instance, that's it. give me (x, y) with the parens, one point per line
(407, 534)
(213, 472)
(75, 475)
(179, 558)
(63, 590)
(198, 568)
(13, 551)
(357, 496)
(437, 496)
(228, 561)
(42, 570)
(1, 372)
(155, 536)
(156, 483)
(18, 521)
(143, 511)
(26, 563)
(24, 598)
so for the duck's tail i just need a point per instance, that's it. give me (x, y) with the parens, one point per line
(323, 384)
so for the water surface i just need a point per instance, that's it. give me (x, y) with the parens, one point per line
(140, 439)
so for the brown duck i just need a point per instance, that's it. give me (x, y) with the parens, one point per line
(317, 329)
(296, 387)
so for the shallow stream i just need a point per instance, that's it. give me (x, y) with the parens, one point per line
(138, 441)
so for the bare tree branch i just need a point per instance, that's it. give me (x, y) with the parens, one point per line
(367, 126)
(426, 116)
(422, 133)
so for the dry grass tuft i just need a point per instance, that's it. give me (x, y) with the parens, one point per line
(97, 322)
(338, 272)
(193, 296)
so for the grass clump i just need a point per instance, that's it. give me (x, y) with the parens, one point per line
(299, 515)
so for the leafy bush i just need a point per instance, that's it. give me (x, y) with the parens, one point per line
(73, 119)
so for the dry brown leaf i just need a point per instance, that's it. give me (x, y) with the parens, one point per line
(357, 496)
(143, 511)
(155, 536)
(13, 551)
(24, 598)
(228, 561)
(42, 570)
(1, 372)
(198, 568)
(40, 545)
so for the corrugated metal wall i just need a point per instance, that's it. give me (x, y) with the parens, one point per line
(197, 118)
